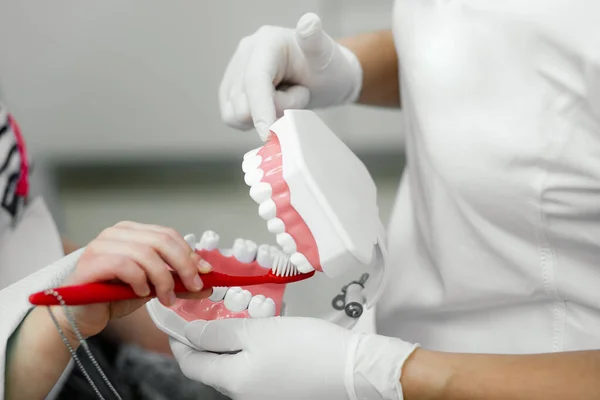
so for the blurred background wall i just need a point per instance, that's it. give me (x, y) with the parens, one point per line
(118, 103)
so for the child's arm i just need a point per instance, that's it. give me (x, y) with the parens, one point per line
(36, 357)
(14, 309)
(136, 254)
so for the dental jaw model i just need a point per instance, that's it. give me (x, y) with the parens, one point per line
(320, 201)
(244, 259)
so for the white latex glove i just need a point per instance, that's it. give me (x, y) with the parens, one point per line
(292, 358)
(280, 68)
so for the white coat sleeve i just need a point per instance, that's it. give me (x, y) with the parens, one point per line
(14, 301)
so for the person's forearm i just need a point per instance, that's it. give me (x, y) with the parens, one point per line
(377, 55)
(36, 357)
(431, 375)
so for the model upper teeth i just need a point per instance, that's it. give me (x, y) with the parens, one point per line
(251, 163)
(287, 242)
(208, 241)
(244, 250)
(267, 210)
(261, 307)
(264, 257)
(301, 263)
(237, 299)
(260, 192)
(275, 226)
(253, 177)
(218, 293)
(252, 153)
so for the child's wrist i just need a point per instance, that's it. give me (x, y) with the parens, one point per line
(66, 327)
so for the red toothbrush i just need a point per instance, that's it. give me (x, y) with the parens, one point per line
(282, 272)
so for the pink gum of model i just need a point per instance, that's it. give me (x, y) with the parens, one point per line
(207, 309)
(319, 200)
(271, 165)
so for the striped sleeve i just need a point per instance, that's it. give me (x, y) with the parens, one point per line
(14, 302)
(10, 171)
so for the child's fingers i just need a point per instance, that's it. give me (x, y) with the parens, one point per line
(106, 267)
(154, 228)
(177, 254)
(156, 270)
(129, 272)
(149, 264)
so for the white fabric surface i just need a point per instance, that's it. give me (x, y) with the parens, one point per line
(30, 245)
(495, 237)
(34, 239)
(14, 303)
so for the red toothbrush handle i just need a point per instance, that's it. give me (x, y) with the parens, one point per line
(91, 293)
(103, 292)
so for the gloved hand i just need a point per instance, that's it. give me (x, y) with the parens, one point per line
(280, 68)
(292, 358)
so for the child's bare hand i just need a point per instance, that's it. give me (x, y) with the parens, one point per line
(139, 255)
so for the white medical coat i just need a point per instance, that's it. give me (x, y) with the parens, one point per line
(29, 242)
(495, 237)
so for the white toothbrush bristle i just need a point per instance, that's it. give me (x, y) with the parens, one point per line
(282, 266)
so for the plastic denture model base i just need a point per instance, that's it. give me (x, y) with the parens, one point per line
(320, 201)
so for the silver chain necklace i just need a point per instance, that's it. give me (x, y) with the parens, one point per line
(83, 344)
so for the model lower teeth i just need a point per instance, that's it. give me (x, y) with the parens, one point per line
(218, 293)
(264, 256)
(287, 243)
(261, 307)
(208, 241)
(237, 299)
(244, 250)
(190, 239)
(229, 301)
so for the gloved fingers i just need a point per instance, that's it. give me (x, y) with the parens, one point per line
(179, 349)
(233, 118)
(232, 86)
(219, 336)
(242, 119)
(318, 47)
(292, 97)
(259, 85)
(208, 368)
